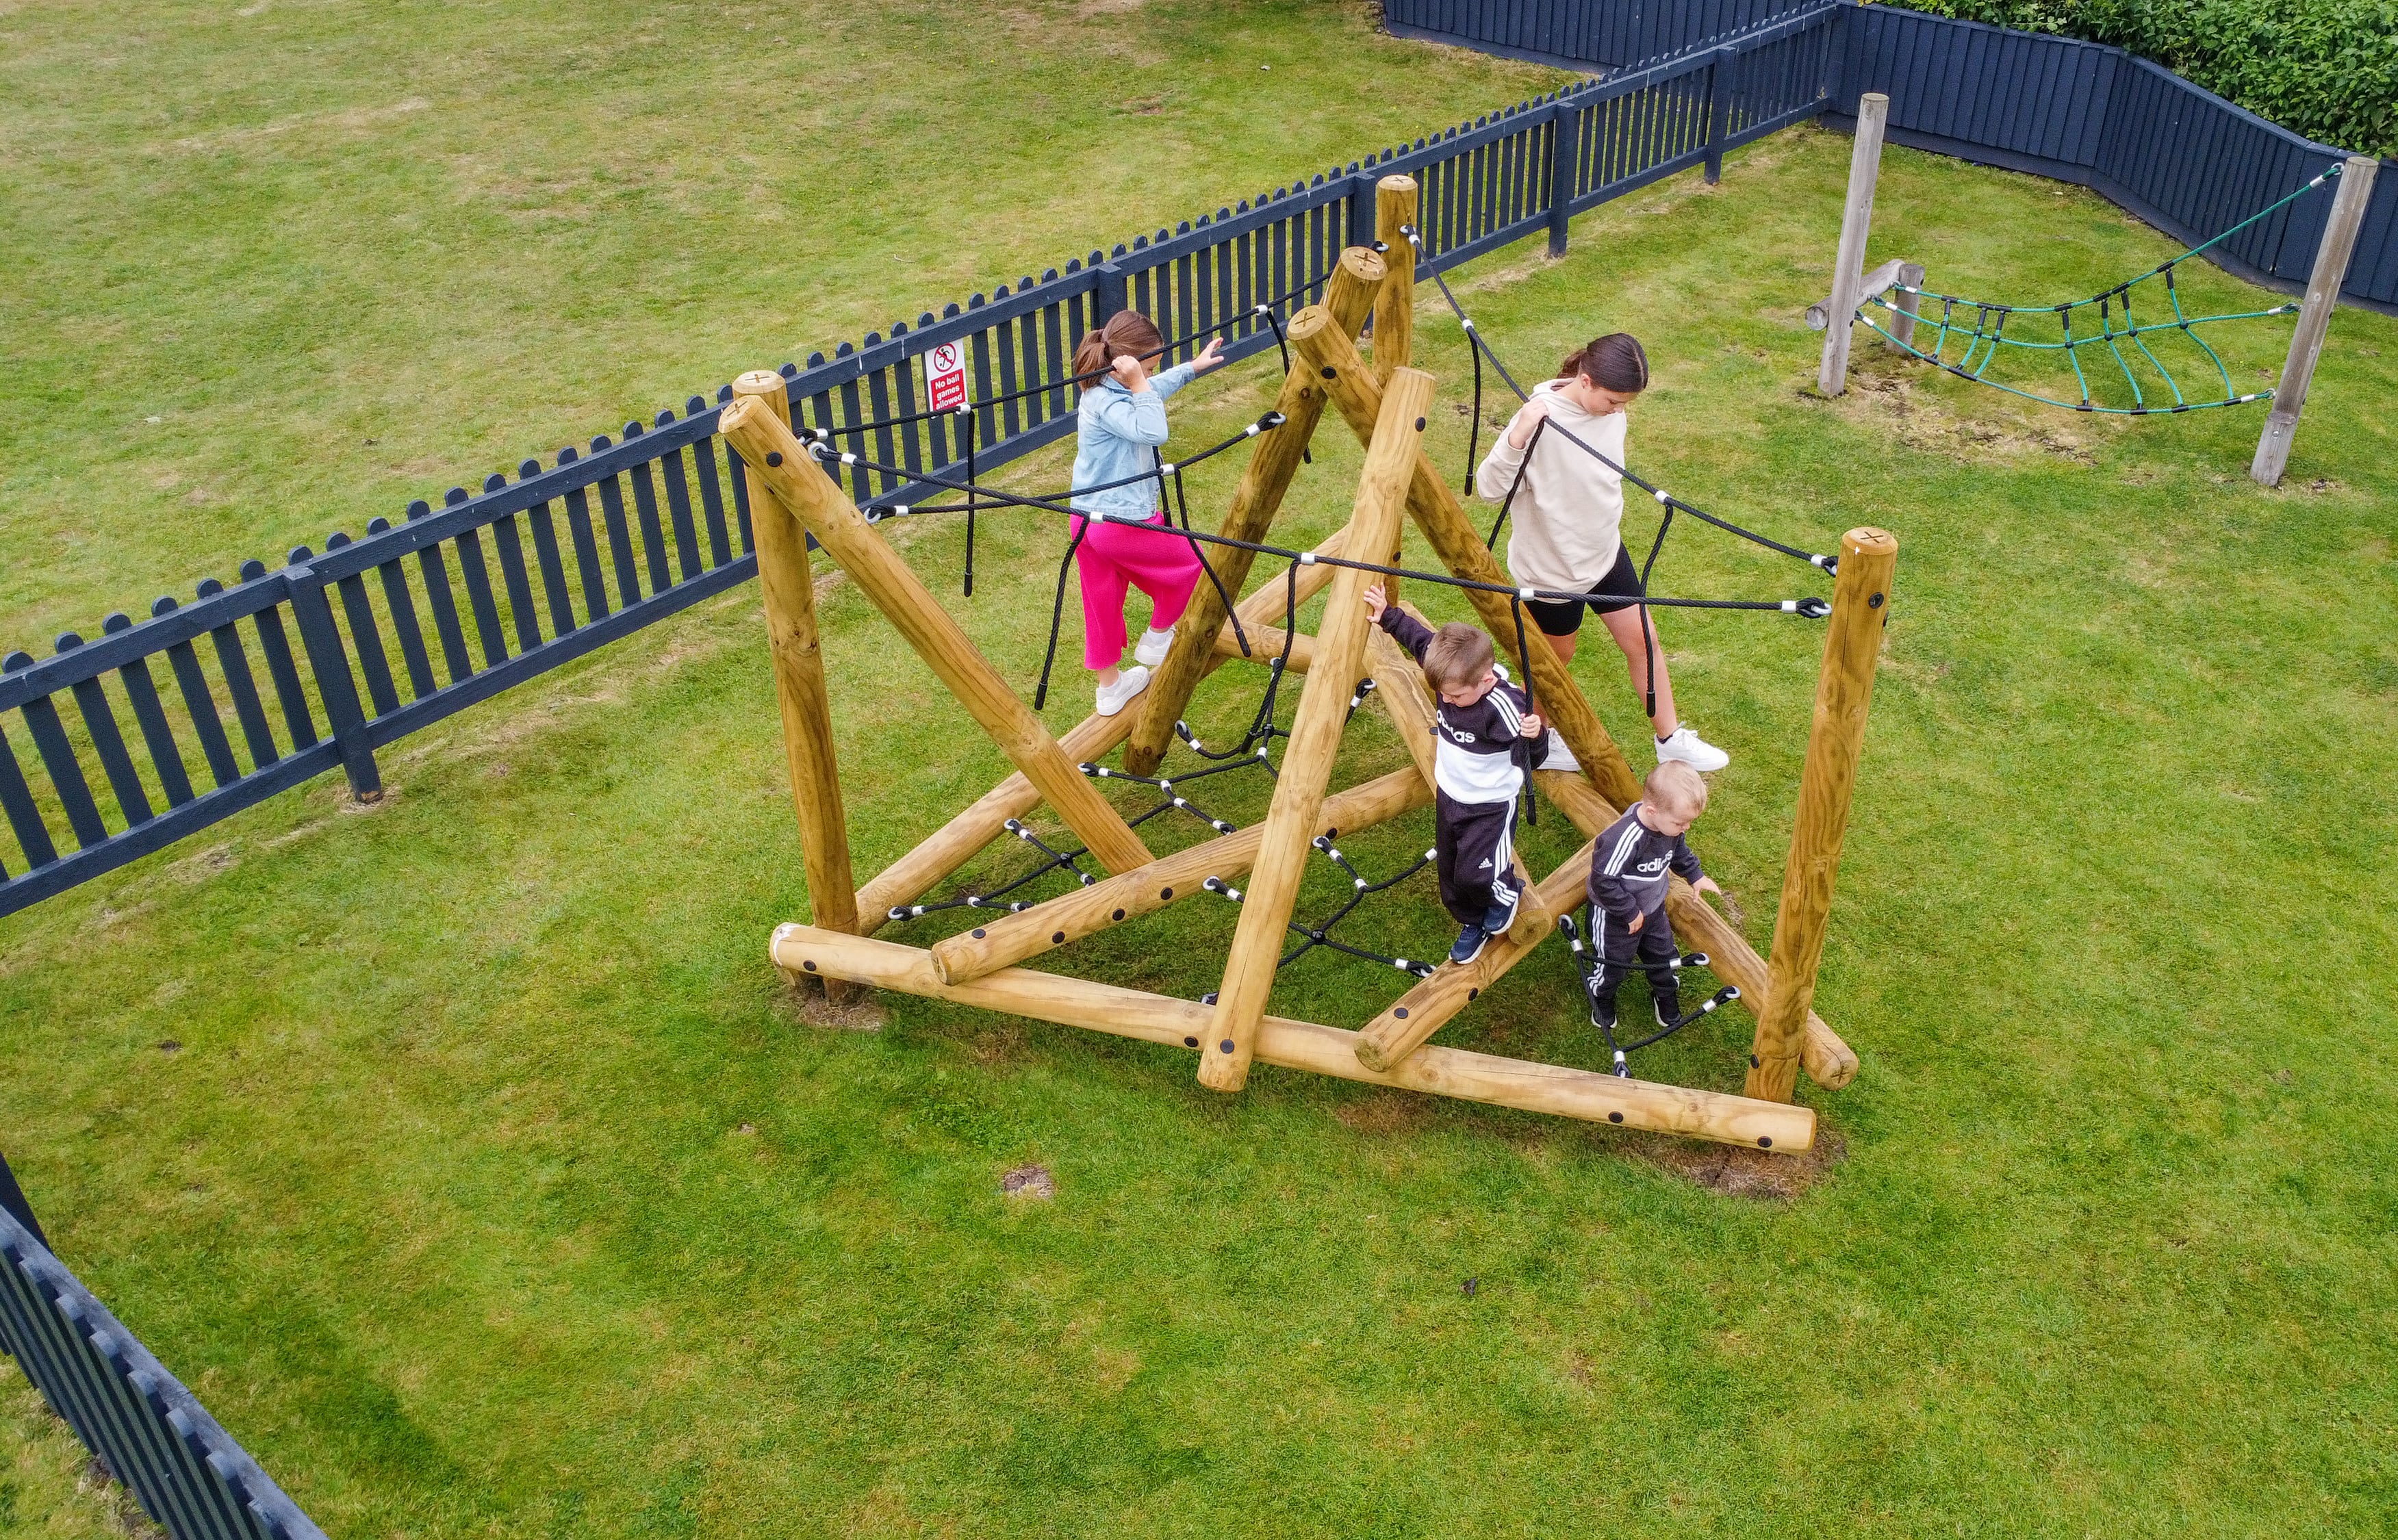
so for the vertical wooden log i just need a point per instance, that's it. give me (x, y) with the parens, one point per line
(777, 459)
(1395, 200)
(1348, 299)
(1902, 325)
(2314, 319)
(1432, 502)
(1843, 691)
(1315, 736)
(1856, 223)
(788, 583)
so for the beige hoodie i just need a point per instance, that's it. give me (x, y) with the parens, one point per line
(1563, 526)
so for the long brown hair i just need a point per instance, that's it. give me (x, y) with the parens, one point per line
(1125, 331)
(1615, 362)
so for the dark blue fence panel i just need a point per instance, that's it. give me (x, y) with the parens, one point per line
(189, 1475)
(1602, 34)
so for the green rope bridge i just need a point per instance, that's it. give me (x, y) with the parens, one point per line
(1982, 326)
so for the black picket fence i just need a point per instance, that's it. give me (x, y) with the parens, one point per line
(375, 638)
(188, 1474)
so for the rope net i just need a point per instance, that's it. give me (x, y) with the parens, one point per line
(2121, 344)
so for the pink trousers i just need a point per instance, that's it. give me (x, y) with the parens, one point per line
(1114, 556)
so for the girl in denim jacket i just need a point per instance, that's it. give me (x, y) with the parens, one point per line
(1119, 426)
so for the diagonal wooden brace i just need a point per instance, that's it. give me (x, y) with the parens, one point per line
(1315, 736)
(1351, 386)
(1416, 1015)
(954, 843)
(1349, 297)
(1079, 912)
(769, 450)
(1831, 1063)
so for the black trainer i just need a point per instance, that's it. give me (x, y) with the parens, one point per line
(1602, 1011)
(1668, 1006)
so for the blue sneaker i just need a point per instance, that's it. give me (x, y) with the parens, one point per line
(1470, 942)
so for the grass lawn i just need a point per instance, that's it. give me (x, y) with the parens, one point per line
(465, 1158)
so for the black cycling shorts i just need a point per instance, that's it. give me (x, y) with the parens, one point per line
(1619, 590)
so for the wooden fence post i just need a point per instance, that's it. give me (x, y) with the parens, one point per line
(1314, 737)
(787, 585)
(1348, 300)
(1723, 77)
(1856, 223)
(1843, 691)
(2314, 319)
(778, 459)
(1564, 147)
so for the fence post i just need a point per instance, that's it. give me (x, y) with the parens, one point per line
(1361, 209)
(1902, 322)
(1565, 142)
(1856, 223)
(1108, 296)
(12, 1199)
(331, 663)
(2314, 319)
(1723, 75)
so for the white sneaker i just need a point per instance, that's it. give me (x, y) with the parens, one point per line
(1692, 750)
(1560, 758)
(1151, 648)
(1129, 683)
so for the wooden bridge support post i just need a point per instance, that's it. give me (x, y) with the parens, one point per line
(2314, 319)
(787, 585)
(1349, 298)
(1857, 224)
(1843, 691)
(773, 455)
(1315, 736)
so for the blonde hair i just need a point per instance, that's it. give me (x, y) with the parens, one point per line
(1676, 786)
(1457, 656)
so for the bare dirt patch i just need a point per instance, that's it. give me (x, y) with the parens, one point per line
(1895, 393)
(1386, 1113)
(1028, 1182)
(1746, 1172)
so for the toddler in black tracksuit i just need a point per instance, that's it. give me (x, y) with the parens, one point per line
(1628, 868)
(1485, 738)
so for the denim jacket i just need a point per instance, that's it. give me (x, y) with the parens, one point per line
(1116, 432)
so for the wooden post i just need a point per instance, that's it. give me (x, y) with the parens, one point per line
(1856, 223)
(1552, 1089)
(1351, 387)
(2314, 319)
(1080, 912)
(1315, 736)
(767, 446)
(1901, 325)
(1395, 302)
(1829, 1061)
(1348, 300)
(954, 843)
(1843, 691)
(1424, 1010)
(789, 588)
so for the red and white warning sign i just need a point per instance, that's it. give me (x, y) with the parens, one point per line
(944, 377)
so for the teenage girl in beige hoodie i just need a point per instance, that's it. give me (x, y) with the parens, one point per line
(1565, 523)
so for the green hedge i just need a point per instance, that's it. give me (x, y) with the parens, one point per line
(2326, 67)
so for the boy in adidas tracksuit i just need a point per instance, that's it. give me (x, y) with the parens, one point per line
(1485, 738)
(1628, 868)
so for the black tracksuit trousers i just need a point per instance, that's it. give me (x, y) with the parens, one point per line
(1473, 848)
(1619, 949)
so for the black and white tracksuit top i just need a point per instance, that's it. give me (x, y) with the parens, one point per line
(1479, 752)
(1628, 869)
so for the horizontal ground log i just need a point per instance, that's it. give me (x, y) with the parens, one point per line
(1079, 912)
(1435, 1070)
